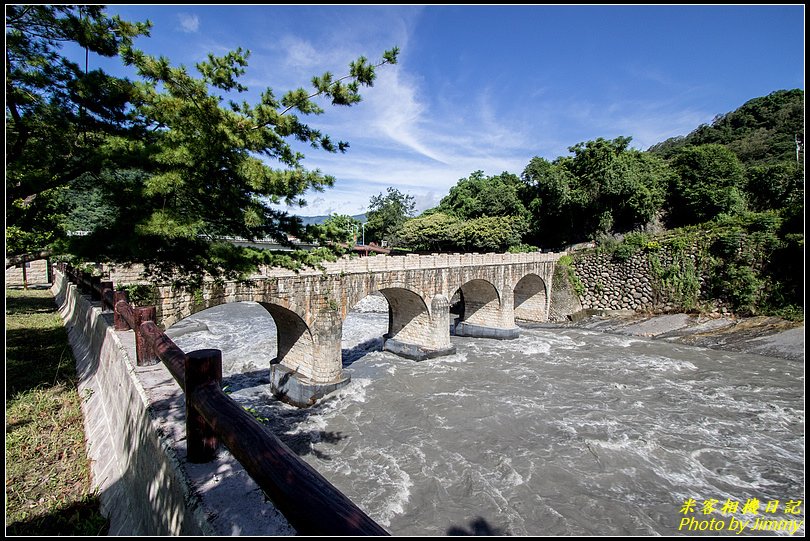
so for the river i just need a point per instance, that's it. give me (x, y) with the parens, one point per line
(562, 431)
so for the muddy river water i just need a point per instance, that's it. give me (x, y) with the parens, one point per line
(562, 431)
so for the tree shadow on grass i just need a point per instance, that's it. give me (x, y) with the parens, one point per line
(78, 518)
(29, 305)
(36, 357)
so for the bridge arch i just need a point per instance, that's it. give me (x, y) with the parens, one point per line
(296, 348)
(479, 302)
(408, 314)
(417, 328)
(531, 298)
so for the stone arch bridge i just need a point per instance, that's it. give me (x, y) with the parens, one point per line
(309, 308)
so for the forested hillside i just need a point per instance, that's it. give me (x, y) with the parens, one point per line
(764, 130)
(738, 184)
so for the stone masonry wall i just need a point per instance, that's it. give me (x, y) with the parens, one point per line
(621, 285)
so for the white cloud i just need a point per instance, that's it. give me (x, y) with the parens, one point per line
(405, 135)
(188, 22)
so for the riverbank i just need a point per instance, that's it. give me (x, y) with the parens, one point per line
(761, 335)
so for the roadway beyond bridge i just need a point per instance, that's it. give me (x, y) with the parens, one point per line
(309, 308)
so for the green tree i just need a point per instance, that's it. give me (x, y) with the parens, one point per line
(387, 214)
(192, 166)
(340, 228)
(709, 180)
(479, 195)
(605, 187)
(491, 233)
(775, 186)
(555, 203)
(434, 232)
(56, 113)
(623, 187)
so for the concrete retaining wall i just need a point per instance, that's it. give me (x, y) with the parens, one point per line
(134, 422)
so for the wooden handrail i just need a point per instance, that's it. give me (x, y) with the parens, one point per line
(167, 351)
(311, 504)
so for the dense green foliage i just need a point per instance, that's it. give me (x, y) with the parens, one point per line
(708, 182)
(763, 130)
(57, 113)
(604, 188)
(738, 184)
(479, 214)
(179, 163)
(748, 262)
(478, 196)
(386, 215)
(440, 232)
(337, 228)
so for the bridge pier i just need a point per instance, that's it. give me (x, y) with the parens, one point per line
(309, 365)
(464, 328)
(294, 389)
(413, 331)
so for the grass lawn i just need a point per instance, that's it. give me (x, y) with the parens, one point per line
(48, 488)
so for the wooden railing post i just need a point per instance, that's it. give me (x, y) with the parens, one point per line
(118, 320)
(95, 288)
(203, 367)
(107, 296)
(144, 352)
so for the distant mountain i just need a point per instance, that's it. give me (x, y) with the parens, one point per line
(763, 130)
(317, 220)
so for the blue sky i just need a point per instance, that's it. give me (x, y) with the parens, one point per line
(490, 87)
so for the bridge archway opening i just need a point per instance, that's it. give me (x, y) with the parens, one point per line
(296, 348)
(364, 325)
(245, 332)
(531, 299)
(414, 329)
(407, 314)
(477, 302)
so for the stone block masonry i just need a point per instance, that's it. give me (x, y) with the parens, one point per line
(36, 272)
(628, 285)
(309, 307)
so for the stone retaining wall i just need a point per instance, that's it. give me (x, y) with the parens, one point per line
(36, 272)
(619, 285)
(135, 429)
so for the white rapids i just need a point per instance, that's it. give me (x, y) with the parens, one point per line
(559, 432)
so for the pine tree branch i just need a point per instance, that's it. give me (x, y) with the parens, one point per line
(313, 95)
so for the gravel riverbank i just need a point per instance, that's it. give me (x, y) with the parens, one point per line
(761, 335)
